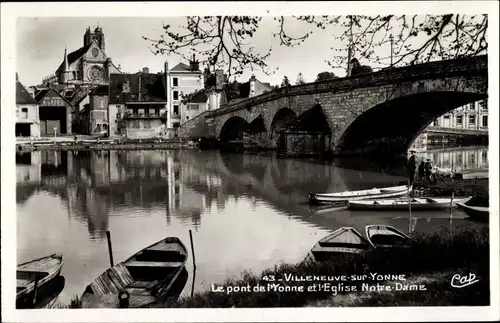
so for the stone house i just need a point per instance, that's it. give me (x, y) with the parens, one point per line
(138, 105)
(27, 114)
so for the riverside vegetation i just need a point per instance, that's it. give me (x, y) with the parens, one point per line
(432, 258)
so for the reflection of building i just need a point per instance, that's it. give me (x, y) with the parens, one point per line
(459, 160)
(28, 167)
(27, 119)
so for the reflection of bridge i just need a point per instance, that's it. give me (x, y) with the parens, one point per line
(284, 183)
(377, 112)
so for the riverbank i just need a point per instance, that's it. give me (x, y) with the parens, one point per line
(66, 144)
(422, 274)
(427, 266)
(478, 188)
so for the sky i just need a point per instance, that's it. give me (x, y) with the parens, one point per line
(40, 44)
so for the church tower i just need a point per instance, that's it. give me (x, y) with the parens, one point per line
(96, 35)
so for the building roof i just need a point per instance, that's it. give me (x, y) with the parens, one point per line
(79, 95)
(101, 90)
(144, 87)
(181, 67)
(73, 56)
(23, 96)
(199, 96)
(41, 94)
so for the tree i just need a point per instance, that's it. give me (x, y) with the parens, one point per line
(323, 76)
(285, 82)
(357, 68)
(300, 79)
(225, 41)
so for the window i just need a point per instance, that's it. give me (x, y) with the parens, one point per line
(193, 107)
(176, 95)
(485, 121)
(175, 125)
(472, 121)
(176, 110)
(484, 156)
(147, 124)
(436, 123)
(459, 120)
(187, 117)
(126, 86)
(175, 81)
(25, 113)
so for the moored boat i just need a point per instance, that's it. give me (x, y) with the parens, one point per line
(480, 213)
(345, 240)
(385, 236)
(393, 191)
(420, 203)
(143, 280)
(35, 274)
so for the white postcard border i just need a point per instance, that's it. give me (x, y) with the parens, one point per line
(11, 11)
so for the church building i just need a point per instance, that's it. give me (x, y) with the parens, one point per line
(88, 65)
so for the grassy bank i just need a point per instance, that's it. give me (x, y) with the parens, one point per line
(460, 187)
(434, 258)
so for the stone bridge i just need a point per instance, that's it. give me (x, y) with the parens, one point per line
(376, 112)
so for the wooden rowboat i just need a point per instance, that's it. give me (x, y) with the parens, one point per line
(33, 275)
(385, 236)
(345, 240)
(425, 203)
(393, 191)
(480, 213)
(143, 280)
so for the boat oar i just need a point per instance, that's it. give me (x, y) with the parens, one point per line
(194, 261)
(110, 249)
(35, 290)
(410, 229)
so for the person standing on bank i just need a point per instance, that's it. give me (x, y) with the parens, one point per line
(421, 170)
(428, 171)
(412, 164)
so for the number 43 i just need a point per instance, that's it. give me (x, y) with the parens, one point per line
(269, 278)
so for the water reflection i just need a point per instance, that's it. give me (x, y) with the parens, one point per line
(246, 211)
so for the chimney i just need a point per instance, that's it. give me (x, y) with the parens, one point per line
(145, 70)
(165, 81)
(219, 80)
(252, 86)
(194, 64)
(108, 66)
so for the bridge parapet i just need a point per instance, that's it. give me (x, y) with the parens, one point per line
(472, 66)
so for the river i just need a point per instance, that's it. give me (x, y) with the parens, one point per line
(246, 211)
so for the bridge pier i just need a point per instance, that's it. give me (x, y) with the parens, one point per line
(257, 141)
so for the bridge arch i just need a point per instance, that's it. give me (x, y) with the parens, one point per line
(233, 129)
(280, 119)
(393, 125)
